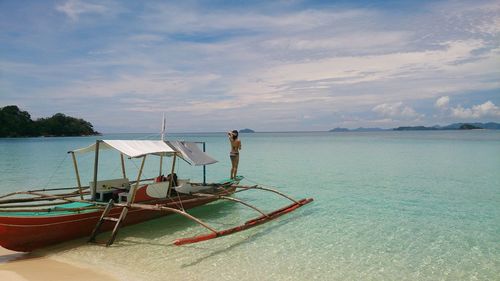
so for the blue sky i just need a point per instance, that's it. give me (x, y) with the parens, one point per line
(266, 65)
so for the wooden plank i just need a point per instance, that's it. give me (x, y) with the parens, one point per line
(119, 222)
(101, 221)
(41, 197)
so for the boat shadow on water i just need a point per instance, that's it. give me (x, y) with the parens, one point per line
(154, 230)
(147, 232)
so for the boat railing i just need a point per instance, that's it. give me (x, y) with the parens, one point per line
(48, 194)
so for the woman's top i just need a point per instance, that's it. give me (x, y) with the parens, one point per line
(235, 147)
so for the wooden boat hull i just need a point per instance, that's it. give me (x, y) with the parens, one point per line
(28, 233)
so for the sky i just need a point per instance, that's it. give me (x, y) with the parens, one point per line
(266, 65)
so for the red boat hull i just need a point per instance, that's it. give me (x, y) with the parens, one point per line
(25, 234)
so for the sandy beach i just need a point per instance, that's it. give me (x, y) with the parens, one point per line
(15, 266)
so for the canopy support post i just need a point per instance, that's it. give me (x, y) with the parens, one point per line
(161, 165)
(204, 169)
(171, 181)
(163, 124)
(138, 179)
(123, 166)
(77, 174)
(96, 162)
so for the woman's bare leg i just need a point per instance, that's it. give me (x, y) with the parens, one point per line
(234, 165)
(236, 162)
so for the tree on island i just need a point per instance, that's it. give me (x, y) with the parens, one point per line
(17, 123)
(62, 125)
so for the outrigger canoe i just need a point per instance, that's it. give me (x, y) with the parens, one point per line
(38, 218)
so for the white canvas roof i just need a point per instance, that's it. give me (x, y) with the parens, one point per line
(192, 153)
(132, 148)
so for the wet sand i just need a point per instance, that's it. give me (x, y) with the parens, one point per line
(15, 266)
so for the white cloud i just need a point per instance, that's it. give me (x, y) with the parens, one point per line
(74, 8)
(442, 102)
(363, 40)
(487, 109)
(270, 64)
(396, 110)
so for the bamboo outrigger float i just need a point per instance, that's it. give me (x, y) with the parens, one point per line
(34, 219)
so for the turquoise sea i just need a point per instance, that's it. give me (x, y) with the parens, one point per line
(388, 206)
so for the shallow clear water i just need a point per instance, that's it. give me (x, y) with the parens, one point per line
(388, 206)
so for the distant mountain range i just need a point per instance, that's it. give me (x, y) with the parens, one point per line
(454, 126)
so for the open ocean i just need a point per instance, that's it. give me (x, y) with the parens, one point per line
(388, 206)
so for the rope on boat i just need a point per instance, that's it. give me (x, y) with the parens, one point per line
(56, 170)
(178, 195)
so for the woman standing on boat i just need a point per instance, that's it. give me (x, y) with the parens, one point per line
(235, 152)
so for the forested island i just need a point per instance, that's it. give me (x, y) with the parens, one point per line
(17, 123)
(455, 126)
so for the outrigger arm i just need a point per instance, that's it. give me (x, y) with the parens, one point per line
(248, 224)
(231, 199)
(243, 188)
(168, 209)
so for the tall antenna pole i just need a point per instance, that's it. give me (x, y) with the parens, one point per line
(163, 124)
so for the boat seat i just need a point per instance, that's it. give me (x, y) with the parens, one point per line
(158, 190)
(105, 188)
(123, 197)
(186, 187)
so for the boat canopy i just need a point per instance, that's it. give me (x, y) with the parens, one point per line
(191, 153)
(132, 148)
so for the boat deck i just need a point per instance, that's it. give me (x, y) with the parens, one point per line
(59, 210)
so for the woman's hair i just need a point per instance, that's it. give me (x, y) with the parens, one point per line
(235, 134)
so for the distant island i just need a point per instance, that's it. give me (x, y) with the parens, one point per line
(360, 129)
(247, 131)
(17, 123)
(454, 126)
